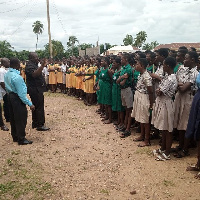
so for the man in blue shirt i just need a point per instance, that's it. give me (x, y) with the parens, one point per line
(17, 97)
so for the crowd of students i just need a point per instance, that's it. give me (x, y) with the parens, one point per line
(156, 90)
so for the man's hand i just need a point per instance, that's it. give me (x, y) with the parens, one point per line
(32, 107)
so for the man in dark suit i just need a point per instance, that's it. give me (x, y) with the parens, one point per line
(36, 87)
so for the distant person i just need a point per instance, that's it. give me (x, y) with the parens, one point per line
(5, 64)
(17, 97)
(36, 87)
(4, 61)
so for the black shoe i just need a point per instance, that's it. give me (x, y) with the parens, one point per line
(15, 140)
(4, 128)
(34, 126)
(42, 128)
(24, 142)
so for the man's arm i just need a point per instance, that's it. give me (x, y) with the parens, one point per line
(38, 72)
(21, 89)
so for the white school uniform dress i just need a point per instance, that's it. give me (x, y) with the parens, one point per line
(141, 102)
(163, 109)
(45, 73)
(63, 70)
(183, 101)
(3, 71)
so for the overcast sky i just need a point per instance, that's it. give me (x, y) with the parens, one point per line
(166, 21)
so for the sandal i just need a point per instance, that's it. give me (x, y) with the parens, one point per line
(138, 139)
(125, 134)
(159, 158)
(157, 152)
(146, 143)
(163, 157)
(193, 168)
(182, 154)
(197, 176)
(107, 122)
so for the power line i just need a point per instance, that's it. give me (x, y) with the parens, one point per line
(16, 8)
(7, 2)
(58, 16)
(24, 19)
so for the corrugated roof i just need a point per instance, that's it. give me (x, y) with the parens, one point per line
(175, 46)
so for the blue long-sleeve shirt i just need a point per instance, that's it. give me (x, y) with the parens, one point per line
(198, 80)
(15, 83)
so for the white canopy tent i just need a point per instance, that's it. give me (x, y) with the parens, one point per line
(123, 49)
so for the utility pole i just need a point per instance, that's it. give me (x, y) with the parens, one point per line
(49, 31)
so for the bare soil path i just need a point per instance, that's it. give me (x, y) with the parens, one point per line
(81, 158)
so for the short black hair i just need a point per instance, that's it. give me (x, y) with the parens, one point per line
(183, 47)
(118, 60)
(143, 62)
(193, 49)
(171, 61)
(107, 60)
(152, 54)
(142, 55)
(126, 56)
(183, 51)
(163, 52)
(193, 54)
(14, 63)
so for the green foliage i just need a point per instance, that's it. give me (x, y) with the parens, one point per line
(38, 28)
(84, 46)
(72, 51)
(5, 49)
(140, 39)
(104, 47)
(57, 50)
(128, 40)
(150, 46)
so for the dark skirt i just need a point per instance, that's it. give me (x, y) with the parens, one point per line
(193, 127)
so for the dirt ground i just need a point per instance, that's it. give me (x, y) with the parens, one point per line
(81, 158)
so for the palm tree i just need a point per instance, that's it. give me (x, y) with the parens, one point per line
(37, 29)
(72, 41)
(140, 39)
(128, 40)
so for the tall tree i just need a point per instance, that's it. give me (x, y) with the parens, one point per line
(72, 41)
(128, 40)
(84, 46)
(140, 39)
(5, 49)
(150, 46)
(37, 29)
(57, 49)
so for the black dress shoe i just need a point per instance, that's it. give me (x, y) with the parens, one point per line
(24, 142)
(4, 128)
(34, 126)
(42, 128)
(15, 140)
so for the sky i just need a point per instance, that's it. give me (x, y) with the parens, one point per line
(108, 21)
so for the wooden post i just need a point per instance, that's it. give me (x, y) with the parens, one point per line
(49, 30)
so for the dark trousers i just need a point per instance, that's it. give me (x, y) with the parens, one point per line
(1, 117)
(18, 116)
(6, 107)
(38, 117)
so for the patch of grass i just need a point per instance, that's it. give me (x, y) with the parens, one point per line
(104, 191)
(19, 179)
(168, 183)
(144, 150)
(17, 152)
